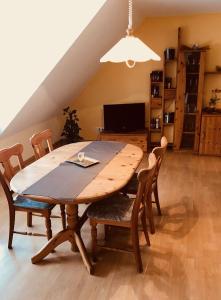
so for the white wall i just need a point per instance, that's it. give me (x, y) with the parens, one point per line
(55, 124)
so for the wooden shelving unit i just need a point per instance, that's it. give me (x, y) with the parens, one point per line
(170, 71)
(162, 106)
(190, 81)
(155, 108)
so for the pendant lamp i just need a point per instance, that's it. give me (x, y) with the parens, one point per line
(130, 49)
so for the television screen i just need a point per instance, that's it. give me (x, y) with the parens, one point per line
(124, 117)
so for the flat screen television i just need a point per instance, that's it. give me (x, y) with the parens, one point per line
(124, 117)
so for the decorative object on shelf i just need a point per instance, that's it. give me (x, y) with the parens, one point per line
(71, 128)
(156, 76)
(218, 68)
(155, 123)
(168, 83)
(157, 120)
(169, 54)
(214, 98)
(130, 49)
(169, 117)
(155, 91)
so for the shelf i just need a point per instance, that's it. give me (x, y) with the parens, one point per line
(155, 130)
(156, 98)
(190, 114)
(168, 124)
(192, 73)
(189, 132)
(170, 60)
(212, 73)
(154, 82)
(170, 99)
(156, 107)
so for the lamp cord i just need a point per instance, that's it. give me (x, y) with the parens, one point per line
(130, 14)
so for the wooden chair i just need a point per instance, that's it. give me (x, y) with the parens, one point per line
(37, 141)
(132, 186)
(159, 152)
(122, 211)
(19, 203)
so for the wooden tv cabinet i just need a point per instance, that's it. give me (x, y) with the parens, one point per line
(138, 138)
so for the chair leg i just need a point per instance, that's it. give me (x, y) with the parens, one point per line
(156, 196)
(94, 240)
(136, 247)
(149, 211)
(48, 226)
(29, 219)
(144, 224)
(11, 227)
(63, 215)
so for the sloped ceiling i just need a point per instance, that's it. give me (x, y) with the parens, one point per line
(81, 61)
(153, 8)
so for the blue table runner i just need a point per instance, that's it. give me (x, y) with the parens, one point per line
(68, 180)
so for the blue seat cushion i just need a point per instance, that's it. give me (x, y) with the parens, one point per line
(115, 208)
(20, 201)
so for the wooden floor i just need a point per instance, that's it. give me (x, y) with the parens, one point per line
(183, 262)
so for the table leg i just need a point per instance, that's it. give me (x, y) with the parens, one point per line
(72, 220)
(59, 238)
(77, 242)
(70, 234)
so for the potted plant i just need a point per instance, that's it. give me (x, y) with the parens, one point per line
(214, 99)
(71, 128)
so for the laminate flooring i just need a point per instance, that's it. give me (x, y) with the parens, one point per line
(183, 262)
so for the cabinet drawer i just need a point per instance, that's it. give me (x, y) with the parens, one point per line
(137, 140)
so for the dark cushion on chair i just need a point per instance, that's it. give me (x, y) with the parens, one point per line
(28, 203)
(117, 208)
(132, 186)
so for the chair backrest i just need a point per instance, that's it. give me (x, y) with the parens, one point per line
(37, 141)
(145, 179)
(159, 153)
(6, 189)
(6, 155)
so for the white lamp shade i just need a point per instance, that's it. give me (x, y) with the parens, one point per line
(130, 48)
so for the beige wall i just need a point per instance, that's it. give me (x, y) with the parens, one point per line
(115, 83)
(23, 137)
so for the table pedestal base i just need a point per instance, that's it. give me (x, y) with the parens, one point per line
(71, 234)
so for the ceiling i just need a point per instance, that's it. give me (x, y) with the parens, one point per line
(176, 7)
(81, 61)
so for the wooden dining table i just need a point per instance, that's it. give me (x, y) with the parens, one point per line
(114, 176)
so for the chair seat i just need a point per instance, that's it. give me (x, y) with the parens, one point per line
(115, 208)
(23, 202)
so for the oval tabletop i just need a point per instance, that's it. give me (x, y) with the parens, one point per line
(111, 178)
